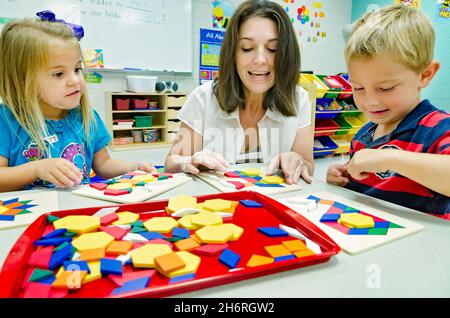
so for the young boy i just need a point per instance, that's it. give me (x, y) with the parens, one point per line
(402, 154)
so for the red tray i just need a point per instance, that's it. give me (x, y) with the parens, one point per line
(210, 272)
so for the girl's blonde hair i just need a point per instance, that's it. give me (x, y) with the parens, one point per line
(24, 51)
(401, 32)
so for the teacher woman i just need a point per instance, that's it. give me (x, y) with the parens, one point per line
(254, 111)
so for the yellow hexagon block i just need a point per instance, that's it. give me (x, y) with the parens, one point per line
(252, 172)
(126, 218)
(180, 202)
(236, 231)
(91, 241)
(144, 257)
(214, 234)
(356, 220)
(120, 186)
(186, 222)
(161, 224)
(273, 179)
(217, 205)
(78, 223)
(205, 219)
(192, 262)
(143, 178)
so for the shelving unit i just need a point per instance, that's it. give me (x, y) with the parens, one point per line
(128, 114)
(336, 118)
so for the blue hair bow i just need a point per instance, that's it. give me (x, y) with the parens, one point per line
(47, 15)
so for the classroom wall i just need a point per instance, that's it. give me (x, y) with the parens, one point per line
(323, 57)
(437, 91)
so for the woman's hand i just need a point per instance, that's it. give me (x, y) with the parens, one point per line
(293, 166)
(61, 172)
(207, 158)
(338, 175)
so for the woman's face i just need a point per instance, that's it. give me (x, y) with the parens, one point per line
(255, 54)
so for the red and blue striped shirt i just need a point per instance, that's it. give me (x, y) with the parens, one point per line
(425, 129)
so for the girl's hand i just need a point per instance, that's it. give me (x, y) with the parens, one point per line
(338, 175)
(60, 172)
(293, 167)
(207, 158)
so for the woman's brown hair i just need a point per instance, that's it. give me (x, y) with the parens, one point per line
(282, 96)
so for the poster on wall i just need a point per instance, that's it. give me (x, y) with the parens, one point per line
(412, 3)
(222, 10)
(443, 11)
(306, 17)
(210, 44)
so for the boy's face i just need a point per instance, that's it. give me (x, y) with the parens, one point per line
(61, 83)
(384, 90)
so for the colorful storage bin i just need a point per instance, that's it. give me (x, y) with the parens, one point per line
(321, 88)
(140, 103)
(151, 135)
(121, 103)
(144, 121)
(324, 146)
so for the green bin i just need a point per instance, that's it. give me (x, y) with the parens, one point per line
(144, 121)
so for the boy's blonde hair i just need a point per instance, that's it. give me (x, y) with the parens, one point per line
(401, 32)
(24, 51)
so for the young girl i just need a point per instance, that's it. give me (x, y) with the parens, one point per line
(50, 136)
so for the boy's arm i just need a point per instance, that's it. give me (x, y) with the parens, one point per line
(430, 170)
(107, 168)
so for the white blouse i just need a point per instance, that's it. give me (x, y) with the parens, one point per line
(223, 133)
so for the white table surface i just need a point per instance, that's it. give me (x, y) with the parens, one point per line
(414, 266)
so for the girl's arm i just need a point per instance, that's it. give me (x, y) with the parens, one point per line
(59, 172)
(107, 168)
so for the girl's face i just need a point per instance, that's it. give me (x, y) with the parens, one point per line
(61, 83)
(255, 54)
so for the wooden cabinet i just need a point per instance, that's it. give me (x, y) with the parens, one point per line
(137, 120)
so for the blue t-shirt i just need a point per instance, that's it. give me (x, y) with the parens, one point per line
(67, 139)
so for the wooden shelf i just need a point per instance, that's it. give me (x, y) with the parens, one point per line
(159, 120)
(138, 128)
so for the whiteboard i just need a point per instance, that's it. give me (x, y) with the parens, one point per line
(154, 35)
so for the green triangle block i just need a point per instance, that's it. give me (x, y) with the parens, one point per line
(24, 212)
(40, 274)
(138, 229)
(140, 184)
(395, 226)
(25, 202)
(51, 218)
(376, 231)
(61, 246)
(163, 177)
(70, 234)
(161, 170)
(138, 223)
(350, 209)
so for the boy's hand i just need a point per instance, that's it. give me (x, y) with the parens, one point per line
(145, 166)
(293, 167)
(207, 158)
(61, 172)
(368, 161)
(338, 175)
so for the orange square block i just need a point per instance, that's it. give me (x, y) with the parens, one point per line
(92, 255)
(169, 262)
(186, 244)
(294, 245)
(326, 202)
(70, 280)
(277, 250)
(119, 247)
(303, 253)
